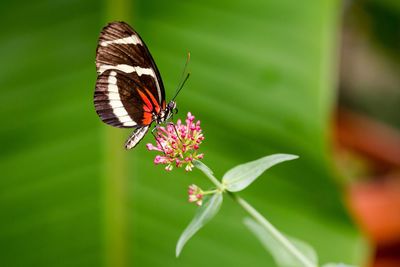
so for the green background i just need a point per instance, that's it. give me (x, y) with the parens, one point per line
(263, 81)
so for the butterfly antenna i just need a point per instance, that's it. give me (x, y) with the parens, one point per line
(184, 77)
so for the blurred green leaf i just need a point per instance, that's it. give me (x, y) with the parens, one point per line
(204, 214)
(281, 255)
(241, 176)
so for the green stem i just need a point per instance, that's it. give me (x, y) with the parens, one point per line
(207, 171)
(116, 247)
(256, 216)
(272, 230)
(215, 181)
(209, 192)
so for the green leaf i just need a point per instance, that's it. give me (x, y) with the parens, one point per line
(241, 176)
(204, 168)
(279, 252)
(204, 214)
(337, 265)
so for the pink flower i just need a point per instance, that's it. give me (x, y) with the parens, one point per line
(179, 144)
(195, 194)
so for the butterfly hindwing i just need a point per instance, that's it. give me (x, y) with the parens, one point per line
(129, 88)
(136, 136)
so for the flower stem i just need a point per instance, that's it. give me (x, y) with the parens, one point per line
(209, 192)
(215, 181)
(272, 230)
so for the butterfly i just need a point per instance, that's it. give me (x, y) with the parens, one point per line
(129, 90)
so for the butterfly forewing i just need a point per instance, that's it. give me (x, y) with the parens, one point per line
(129, 88)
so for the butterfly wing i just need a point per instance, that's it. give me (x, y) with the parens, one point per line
(136, 136)
(129, 89)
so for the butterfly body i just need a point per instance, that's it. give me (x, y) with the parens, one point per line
(129, 90)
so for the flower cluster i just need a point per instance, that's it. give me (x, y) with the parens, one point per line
(179, 144)
(195, 194)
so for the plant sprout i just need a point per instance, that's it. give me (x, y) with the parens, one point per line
(179, 144)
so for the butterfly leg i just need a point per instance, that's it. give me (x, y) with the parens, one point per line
(173, 125)
(155, 137)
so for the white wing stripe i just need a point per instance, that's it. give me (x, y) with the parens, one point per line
(128, 69)
(133, 39)
(125, 119)
(145, 71)
(116, 103)
(113, 96)
(129, 123)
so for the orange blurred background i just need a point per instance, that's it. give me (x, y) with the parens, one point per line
(366, 127)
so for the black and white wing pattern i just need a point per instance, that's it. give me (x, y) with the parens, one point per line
(129, 91)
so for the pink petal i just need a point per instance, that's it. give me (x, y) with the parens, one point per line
(190, 117)
(151, 147)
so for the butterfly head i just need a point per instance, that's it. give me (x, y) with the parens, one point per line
(168, 112)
